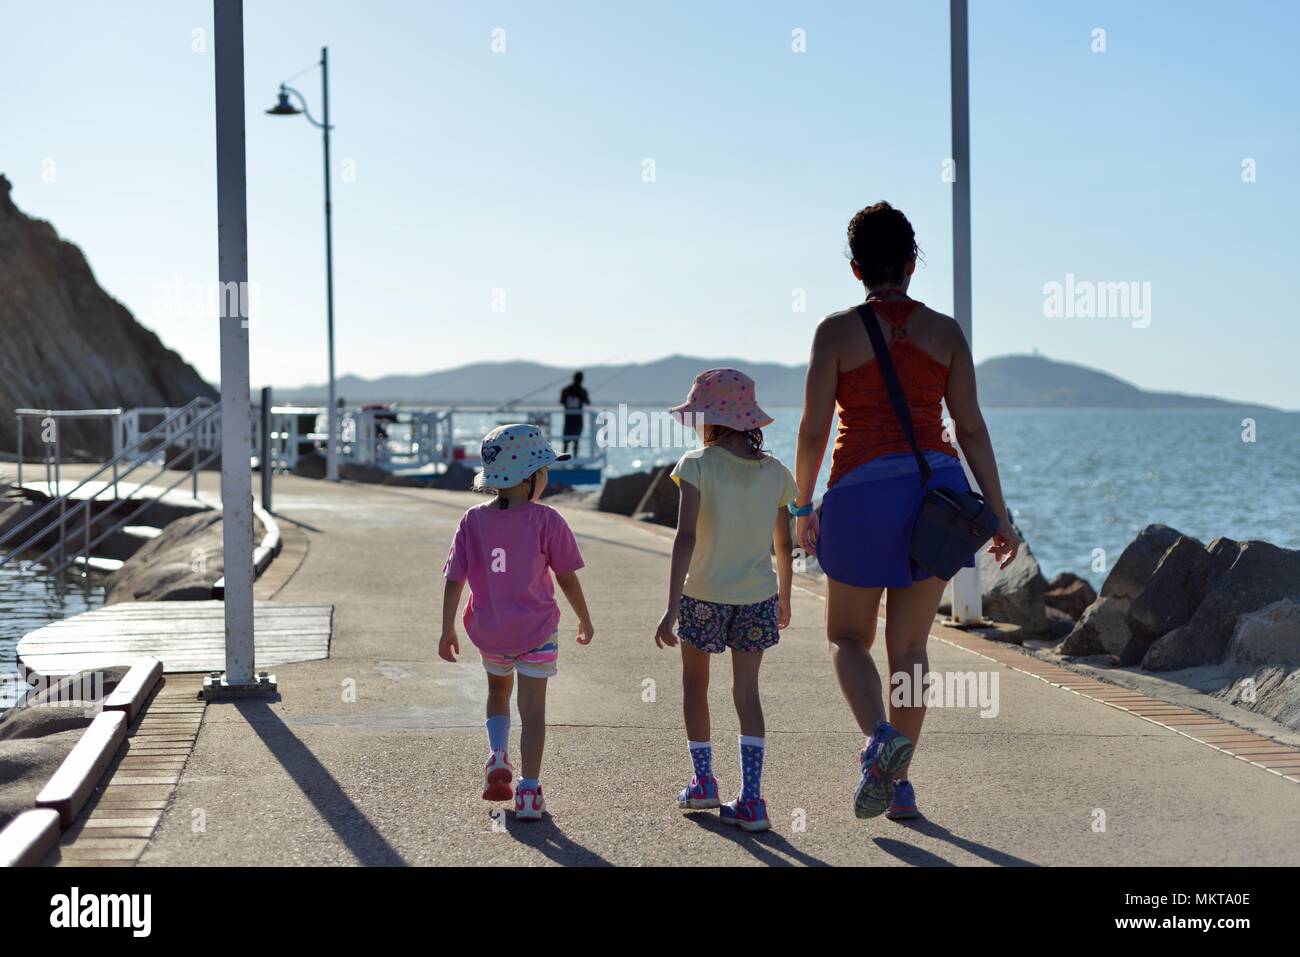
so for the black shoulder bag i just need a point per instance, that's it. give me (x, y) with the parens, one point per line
(953, 524)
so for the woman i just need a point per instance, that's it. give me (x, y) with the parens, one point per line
(874, 491)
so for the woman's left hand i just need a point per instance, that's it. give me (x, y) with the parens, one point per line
(807, 528)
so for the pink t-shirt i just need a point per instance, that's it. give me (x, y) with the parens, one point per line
(507, 556)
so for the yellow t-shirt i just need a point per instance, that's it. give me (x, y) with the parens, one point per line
(739, 499)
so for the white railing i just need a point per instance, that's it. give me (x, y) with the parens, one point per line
(415, 438)
(192, 431)
(412, 440)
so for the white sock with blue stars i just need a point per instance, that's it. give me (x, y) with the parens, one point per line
(702, 757)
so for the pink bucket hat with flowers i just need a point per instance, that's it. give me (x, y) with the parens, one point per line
(722, 397)
(511, 453)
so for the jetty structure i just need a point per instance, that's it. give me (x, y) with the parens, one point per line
(371, 753)
(365, 748)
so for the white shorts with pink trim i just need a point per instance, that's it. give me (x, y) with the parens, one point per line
(539, 662)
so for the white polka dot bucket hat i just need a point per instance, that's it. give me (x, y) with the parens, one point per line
(511, 453)
(722, 397)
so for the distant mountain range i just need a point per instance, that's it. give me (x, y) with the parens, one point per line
(1036, 382)
(1005, 381)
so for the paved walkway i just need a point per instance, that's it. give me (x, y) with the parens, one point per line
(374, 755)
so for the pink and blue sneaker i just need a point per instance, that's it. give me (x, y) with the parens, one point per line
(529, 803)
(701, 793)
(903, 807)
(497, 774)
(750, 814)
(886, 754)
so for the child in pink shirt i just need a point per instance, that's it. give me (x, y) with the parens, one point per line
(507, 549)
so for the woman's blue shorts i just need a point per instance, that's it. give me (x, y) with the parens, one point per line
(868, 515)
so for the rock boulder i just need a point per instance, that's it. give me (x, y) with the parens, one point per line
(1059, 624)
(1172, 593)
(1103, 630)
(1260, 575)
(1138, 561)
(183, 563)
(70, 345)
(625, 494)
(37, 734)
(1175, 650)
(1070, 594)
(1016, 593)
(1270, 636)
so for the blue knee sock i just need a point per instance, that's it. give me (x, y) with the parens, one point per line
(702, 757)
(751, 766)
(498, 730)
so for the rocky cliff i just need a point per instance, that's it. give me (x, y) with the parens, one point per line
(67, 344)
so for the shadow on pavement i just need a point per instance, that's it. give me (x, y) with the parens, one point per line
(296, 523)
(910, 853)
(318, 785)
(546, 838)
(767, 846)
(914, 855)
(584, 537)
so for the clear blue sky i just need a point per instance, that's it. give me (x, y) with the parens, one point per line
(522, 171)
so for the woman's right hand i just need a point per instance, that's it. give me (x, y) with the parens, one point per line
(807, 528)
(1006, 543)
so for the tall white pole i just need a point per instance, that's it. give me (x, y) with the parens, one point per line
(331, 448)
(967, 604)
(232, 250)
(960, 54)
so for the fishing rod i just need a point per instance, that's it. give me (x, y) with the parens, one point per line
(507, 406)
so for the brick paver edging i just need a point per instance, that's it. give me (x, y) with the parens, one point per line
(1241, 743)
(119, 819)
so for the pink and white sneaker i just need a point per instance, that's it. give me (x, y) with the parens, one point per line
(497, 775)
(529, 804)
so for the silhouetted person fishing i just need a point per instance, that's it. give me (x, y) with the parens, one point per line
(574, 398)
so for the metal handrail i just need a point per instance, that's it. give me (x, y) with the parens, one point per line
(20, 414)
(88, 519)
(90, 543)
(61, 500)
(114, 460)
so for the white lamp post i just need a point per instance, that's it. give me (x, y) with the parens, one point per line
(284, 108)
(967, 597)
(239, 678)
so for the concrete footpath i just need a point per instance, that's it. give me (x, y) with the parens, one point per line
(374, 756)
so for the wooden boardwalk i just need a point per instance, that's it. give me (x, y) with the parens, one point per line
(187, 636)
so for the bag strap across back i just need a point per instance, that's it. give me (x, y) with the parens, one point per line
(896, 397)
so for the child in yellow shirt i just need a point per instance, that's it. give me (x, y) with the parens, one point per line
(722, 592)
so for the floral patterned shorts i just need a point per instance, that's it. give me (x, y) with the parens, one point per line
(713, 627)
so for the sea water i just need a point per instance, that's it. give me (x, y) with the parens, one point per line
(1081, 483)
(31, 597)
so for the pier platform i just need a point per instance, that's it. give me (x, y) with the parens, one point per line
(186, 636)
(374, 754)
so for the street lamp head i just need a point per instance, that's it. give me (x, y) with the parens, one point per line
(284, 107)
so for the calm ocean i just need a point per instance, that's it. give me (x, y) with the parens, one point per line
(1084, 479)
(30, 598)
